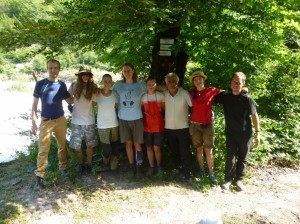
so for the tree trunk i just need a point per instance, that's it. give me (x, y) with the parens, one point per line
(162, 65)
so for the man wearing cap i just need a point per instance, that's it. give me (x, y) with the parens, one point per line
(201, 127)
(83, 118)
(52, 92)
(177, 103)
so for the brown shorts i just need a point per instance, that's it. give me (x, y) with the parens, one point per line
(202, 135)
(132, 131)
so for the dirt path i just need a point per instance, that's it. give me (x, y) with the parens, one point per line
(272, 196)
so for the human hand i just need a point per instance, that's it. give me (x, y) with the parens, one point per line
(257, 139)
(34, 128)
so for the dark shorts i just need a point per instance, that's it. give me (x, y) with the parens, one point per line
(202, 135)
(131, 131)
(153, 139)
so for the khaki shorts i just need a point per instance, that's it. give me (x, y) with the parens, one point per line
(108, 135)
(202, 135)
(132, 131)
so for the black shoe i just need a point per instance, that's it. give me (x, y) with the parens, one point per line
(39, 185)
(132, 171)
(89, 169)
(150, 172)
(79, 169)
(139, 173)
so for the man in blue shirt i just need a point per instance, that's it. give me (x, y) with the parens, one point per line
(52, 92)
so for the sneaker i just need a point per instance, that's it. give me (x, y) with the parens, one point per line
(240, 186)
(150, 172)
(39, 184)
(200, 173)
(226, 185)
(212, 178)
(63, 173)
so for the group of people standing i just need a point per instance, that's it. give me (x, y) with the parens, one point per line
(146, 115)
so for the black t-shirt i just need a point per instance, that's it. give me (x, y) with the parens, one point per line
(237, 111)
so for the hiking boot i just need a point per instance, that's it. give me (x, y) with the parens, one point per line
(114, 161)
(39, 185)
(212, 178)
(89, 169)
(239, 185)
(178, 170)
(132, 171)
(139, 173)
(226, 185)
(150, 172)
(160, 170)
(200, 173)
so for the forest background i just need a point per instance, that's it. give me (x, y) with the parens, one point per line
(260, 38)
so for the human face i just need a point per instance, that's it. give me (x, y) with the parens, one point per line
(106, 82)
(53, 70)
(236, 85)
(198, 82)
(85, 77)
(172, 85)
(151, 84)
(127, 73)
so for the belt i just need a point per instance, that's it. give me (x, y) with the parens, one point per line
(49, 119)
(201, 125)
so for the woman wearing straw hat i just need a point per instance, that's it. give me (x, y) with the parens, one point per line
(83, 119)
(201, 127)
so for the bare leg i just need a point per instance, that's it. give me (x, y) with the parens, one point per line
(209, 159)
(79, 156)
(200, 157)
(157, 155)
(150, 156)
(89, 155)
(129, 151)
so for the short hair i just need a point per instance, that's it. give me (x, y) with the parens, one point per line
(172, 75)
(134, 77)
(53, 61)
(240, 75)
(106, 75)
(150, 78)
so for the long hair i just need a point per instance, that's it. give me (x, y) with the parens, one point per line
(80, 86)
(134, 76)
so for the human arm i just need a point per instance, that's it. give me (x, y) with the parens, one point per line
(34, 115)
(255, 121)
